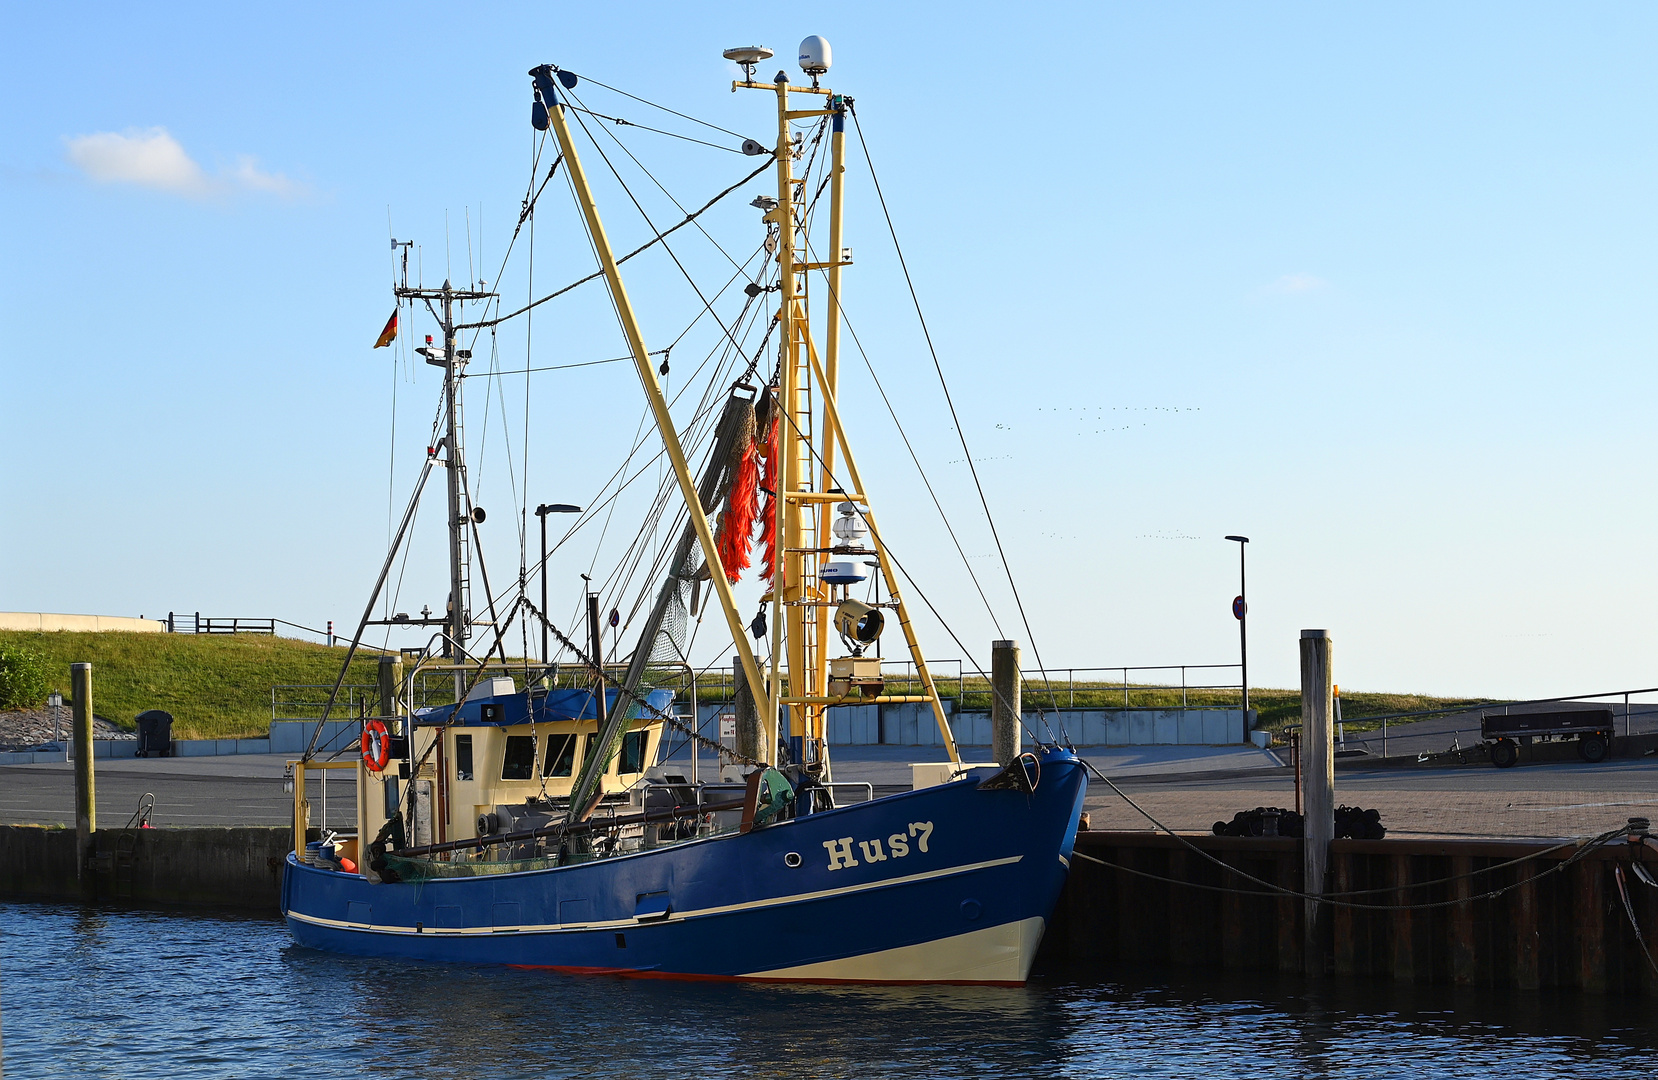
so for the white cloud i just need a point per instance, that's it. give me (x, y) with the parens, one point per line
(149, 158)
(152, 158)
(249, 175)
(1297, 283)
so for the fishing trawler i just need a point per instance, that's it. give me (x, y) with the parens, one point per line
(532, 820)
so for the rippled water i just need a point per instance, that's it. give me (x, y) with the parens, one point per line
(89, 992)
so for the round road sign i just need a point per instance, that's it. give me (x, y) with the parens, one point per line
(1239, 608)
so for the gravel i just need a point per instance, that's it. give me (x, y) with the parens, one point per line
(29, 729)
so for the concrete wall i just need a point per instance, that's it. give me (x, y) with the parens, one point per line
(239, 867)
(912, 724)
(40, 620)
(290, 737)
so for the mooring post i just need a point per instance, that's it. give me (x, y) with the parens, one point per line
(1319, 780)
(86, 803)
(1005, 706)
(390, 678)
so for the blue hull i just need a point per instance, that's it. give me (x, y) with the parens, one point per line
(946, 884)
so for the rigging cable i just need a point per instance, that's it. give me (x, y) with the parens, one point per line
(926, 482)
(960, 433)
(875, 535)
(636, 205)
(642, 247)
(654, 105)
(643, 127)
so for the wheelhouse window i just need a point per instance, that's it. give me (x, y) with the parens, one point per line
(633, 751)
(463, 757)
(588, 746)
(560, 759)
(518, 763)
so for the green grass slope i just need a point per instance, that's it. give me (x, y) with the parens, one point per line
(216, 686)
(219, 686)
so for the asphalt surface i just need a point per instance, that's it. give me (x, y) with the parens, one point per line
(1439, 733)
(1205, 783)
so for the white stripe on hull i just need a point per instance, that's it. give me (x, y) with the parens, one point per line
(995, 954)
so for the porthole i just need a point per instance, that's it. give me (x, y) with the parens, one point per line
(792, 859)
(970, 909)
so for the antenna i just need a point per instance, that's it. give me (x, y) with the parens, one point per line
(746, 56)
(405, 245)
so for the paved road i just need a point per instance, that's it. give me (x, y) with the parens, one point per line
(1439, 733)
(1186, 787)
(242, 790)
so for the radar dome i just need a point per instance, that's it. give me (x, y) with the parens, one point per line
(815, 57)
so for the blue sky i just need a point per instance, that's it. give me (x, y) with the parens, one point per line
(1369, 284)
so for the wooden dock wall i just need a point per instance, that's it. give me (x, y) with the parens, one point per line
(1553, 927)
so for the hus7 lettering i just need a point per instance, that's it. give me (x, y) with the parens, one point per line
(898, 844)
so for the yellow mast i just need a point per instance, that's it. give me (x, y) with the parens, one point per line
(801, 603)
(653, 391)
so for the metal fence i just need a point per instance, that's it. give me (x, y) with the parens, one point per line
(305, 701)
(1116, 686)
(195, 623)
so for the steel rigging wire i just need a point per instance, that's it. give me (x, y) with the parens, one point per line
(960, 432)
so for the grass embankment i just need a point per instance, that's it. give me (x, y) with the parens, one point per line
(216, 686)
(219, 686)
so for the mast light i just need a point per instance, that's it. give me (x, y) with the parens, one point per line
(859, 623)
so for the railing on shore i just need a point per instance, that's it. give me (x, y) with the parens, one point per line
(305, 701)
(195, 623)
(1146, 686)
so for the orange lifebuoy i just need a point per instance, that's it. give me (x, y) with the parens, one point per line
(376, 745)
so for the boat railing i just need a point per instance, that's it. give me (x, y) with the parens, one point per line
(866, 788)
(302, 802)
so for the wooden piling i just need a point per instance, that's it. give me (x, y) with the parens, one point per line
(1462, 922)
(1403, 930)
(390, 678)
(1319, 782)
(1005, 704)
(86, 802)
(1589, 912)
(1526, 931)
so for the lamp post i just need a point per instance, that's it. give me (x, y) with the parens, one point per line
(541, 512)
(1240, 609)
(54, 701)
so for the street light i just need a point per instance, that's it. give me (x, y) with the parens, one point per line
(541, 512)
(1240, 609)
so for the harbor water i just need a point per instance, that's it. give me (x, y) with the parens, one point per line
(106, 992)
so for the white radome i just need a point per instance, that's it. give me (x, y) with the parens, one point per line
(815, 56)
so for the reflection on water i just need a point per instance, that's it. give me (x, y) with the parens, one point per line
(107, 993)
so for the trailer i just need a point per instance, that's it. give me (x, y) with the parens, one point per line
(1505, 733)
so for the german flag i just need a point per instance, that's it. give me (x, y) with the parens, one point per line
(389, 334)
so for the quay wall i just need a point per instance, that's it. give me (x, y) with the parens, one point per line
(221, 867)
(1556, 924)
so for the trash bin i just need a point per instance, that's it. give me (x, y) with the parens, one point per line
(155, 733)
